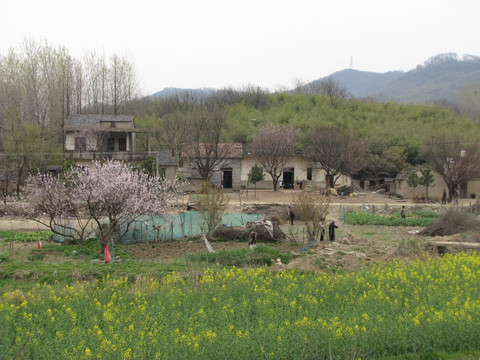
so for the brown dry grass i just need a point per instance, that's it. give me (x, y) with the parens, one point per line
(454, 221)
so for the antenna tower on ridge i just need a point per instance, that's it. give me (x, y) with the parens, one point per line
(351, 62)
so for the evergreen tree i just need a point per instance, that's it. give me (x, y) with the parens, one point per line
(426, 179)
(255, 175)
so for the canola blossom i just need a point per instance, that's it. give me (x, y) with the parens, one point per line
(393, 308)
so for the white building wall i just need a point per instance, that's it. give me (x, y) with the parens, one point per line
(300, 167)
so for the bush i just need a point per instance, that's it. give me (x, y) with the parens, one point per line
(452, 222)
(3, 256)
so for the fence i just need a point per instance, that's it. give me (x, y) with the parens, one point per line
(158, 228)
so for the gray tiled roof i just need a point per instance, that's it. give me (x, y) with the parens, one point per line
(84, 121)
(406, 174)
(165, 158)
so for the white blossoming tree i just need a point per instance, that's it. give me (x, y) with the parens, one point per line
(110, 197)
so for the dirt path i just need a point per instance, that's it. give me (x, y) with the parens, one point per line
(261, 197)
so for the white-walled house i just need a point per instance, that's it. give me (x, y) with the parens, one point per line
(400, 187)
(299, 172)
(226, 173)
(94, 137)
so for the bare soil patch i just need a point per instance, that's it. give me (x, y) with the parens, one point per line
(357, 247)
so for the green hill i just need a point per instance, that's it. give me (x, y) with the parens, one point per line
(440, 79)
(401, 125)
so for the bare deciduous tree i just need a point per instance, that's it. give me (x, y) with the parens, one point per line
(273, 146)
(204, 149)
(326, 86)
(312, 208)
(211, 205)
(456, 160)
(337, 153)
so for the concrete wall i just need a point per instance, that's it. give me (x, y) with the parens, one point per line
(216, 178)
(299, 165)
(435, 190)
(235, 166)
(473, 189)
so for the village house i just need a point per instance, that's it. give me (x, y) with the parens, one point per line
(225, 174)
(94, 137)
(299, 172)
(401, 188)
(232, 172)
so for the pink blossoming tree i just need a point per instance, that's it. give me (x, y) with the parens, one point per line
(110, 196)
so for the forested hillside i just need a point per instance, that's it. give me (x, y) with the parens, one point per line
(403, 126)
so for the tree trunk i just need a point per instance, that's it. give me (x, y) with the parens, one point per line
(329, 179)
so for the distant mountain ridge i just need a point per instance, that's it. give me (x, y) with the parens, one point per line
(440, 78)
(172, 91)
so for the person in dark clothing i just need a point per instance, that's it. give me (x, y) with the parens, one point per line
(444, 197)
(402, 212)
(331, 230)
(253, 238)
(322, 231)
(291, 215)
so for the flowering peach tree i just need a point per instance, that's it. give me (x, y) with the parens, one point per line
(107, 197)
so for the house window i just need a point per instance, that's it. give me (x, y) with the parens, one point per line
(110, 144)
(309, 174)
(122, 144)
(80, 143)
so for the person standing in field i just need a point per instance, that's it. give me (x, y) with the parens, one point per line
(253, 238)
(291, 215)
(322, 231)
(402, 212)
(331, 230)
(444, 197)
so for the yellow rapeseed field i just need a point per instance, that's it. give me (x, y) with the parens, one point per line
(393, 308)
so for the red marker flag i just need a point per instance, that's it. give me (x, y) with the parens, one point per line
(39, 244)
(108, 257)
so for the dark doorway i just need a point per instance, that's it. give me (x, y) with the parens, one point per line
(122, 144)
(227, 178)
(288, 178)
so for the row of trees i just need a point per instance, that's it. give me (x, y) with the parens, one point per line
(40, 86)
(338, 152)
(194, 124)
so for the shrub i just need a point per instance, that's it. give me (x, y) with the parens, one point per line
(452, 222)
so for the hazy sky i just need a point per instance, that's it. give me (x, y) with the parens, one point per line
(268, 43)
